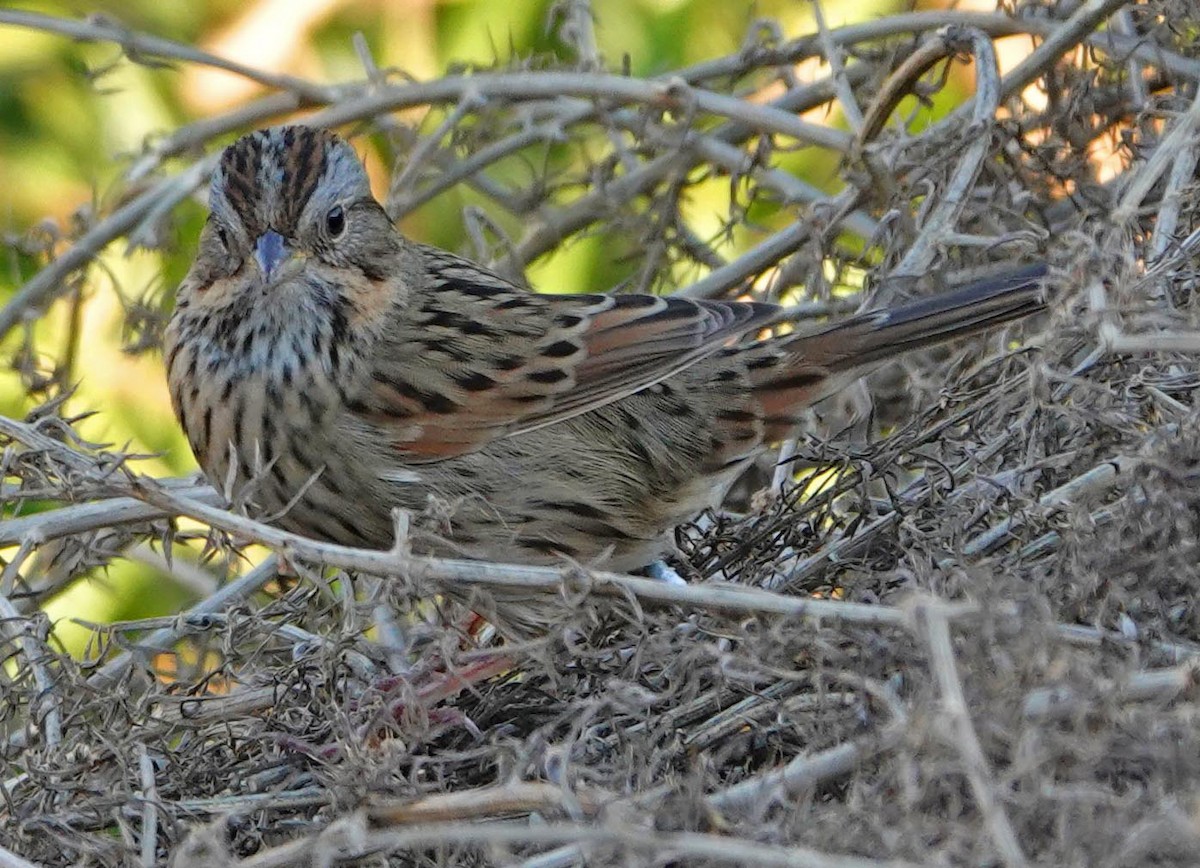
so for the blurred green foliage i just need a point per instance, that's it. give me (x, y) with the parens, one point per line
(73, 115)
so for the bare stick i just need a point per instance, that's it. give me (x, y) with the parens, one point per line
(41, 527)
(159, 640)
(1173, 145)
(518, 797)
(1099, 477)
(833, 56)
(149, 809)
(1115, 341)
(758, 258)
(1091, 637)
(992, 23)
(1058, 703)
(1183, 170)
(673, 94)
(48, 283)
(726, 598)
(12, 570)
(11, 621)
(944, 216)
(900, 83)
(1122, 23)
(931, 620)
(9, 859)
(354, 839)
(805, 772)
(141, 45)
(1060, 38)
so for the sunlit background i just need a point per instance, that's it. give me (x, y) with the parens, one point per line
(73, 117)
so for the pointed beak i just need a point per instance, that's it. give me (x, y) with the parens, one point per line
(271, 252)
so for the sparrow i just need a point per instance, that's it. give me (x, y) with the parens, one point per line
(328, 370)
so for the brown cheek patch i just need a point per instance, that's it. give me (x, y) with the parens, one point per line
(371, 303)
(217, 292)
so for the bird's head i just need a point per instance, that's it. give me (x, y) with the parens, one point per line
(291, 206)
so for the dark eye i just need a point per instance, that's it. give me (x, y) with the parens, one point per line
(223, 236)
(335, 221)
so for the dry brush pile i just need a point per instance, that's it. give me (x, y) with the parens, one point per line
(975, 642)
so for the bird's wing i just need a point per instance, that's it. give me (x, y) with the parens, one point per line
(471, 357)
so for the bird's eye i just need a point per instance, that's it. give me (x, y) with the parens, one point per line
(335, 221)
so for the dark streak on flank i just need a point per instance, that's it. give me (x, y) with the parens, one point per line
(508, 363)
(431, 401)
(735, 415)
(475, 381)
(549, 377)
(762, 362)
(206, 425)
(560, 349)
(575, 507)
(547, 546)
(797, 380)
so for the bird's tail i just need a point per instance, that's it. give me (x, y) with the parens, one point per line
(799, 369)
(875, 336)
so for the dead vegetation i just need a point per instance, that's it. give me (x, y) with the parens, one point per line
(976, 643)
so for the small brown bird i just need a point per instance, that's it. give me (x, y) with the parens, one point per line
(331, 370)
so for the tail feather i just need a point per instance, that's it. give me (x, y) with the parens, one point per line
(798, 370)
(877, 335)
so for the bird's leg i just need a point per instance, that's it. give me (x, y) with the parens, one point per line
(664, 572)
(441, 683)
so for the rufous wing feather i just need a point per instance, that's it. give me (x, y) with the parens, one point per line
(473, 358)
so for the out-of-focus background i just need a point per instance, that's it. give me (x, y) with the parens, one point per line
(75, 115)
